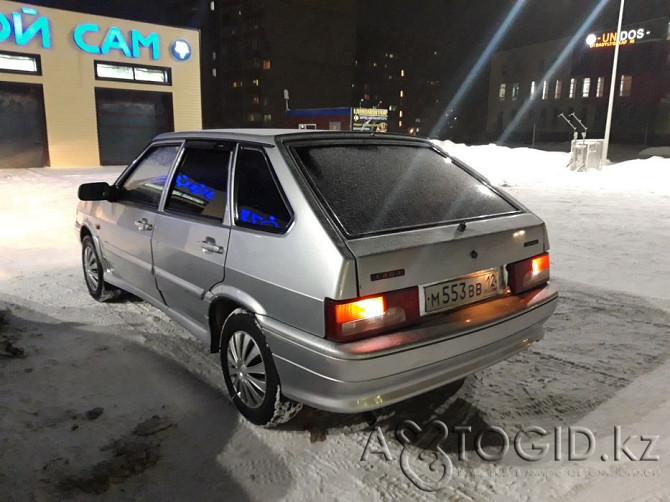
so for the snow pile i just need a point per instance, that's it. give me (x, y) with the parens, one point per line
(527, 167)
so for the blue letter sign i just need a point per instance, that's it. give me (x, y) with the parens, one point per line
(78, 35)
(151, 41)
(115, 40)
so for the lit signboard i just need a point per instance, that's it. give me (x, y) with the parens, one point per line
(26, 24)
(370, 119)
(648, 31)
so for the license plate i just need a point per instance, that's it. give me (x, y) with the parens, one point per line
(458, 292)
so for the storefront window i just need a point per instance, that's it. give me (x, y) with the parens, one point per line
(148, 74)
(11, 62)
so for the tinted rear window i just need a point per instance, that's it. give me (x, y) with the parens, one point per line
(372, 189)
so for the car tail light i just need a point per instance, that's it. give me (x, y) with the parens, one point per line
(527, 274)
(362, 317)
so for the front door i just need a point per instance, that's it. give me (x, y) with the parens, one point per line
(128, 223)
(190, 238)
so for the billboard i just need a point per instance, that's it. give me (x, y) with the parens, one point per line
(369, 119)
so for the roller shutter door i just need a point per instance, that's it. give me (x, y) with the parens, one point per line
(128, 120)
(23, 130)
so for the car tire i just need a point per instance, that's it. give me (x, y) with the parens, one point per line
(250, 373)
(94, 272)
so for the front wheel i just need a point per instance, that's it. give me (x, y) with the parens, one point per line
(250, 374)
(93, 272)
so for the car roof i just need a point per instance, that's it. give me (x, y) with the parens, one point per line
(267, 136)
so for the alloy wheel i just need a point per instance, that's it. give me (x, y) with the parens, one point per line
(246, 369)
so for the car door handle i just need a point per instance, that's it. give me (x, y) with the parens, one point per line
(144, 225)
(209, 246)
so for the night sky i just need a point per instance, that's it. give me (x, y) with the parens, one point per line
(461, 28)
(452, 21)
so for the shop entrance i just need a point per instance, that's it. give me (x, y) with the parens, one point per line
(23, 130)
(128, 120)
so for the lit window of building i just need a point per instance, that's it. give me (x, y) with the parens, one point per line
(402, 73)
(267, 118)
(400, 114)
(267, 64)
(573, 88)
(545, 90)
(586, 87)
(20, 63)
(501, 92)
(625, 85)
(532, 88)
(402, 94)
(256, 82)
(558, 90)
(515, 91)
(600, 87)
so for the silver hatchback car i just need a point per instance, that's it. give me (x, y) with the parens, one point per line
(347, 271)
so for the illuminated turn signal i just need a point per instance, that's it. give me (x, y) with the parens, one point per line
(356, 318)
(529, 273)
(361, 309)
(540, 263)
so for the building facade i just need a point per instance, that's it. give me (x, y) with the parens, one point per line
(83, 90)
(530, 87)
(266, 56)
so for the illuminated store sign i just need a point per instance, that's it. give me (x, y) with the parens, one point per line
(609, 39)
(26, 25)
(655, 29)
(89, 39)
(25, 28)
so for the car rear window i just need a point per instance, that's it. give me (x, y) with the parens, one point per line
(380, 188)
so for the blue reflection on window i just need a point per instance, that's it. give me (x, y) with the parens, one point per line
(249, 216)
(186, 183)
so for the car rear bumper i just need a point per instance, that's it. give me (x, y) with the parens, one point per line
(372, 373)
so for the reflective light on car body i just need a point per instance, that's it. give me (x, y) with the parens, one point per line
(484, 190)
(520, 233)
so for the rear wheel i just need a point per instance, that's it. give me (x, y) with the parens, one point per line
(250, 374)
(94, 274)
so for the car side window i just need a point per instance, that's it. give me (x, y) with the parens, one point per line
(147, 181)
(200, 186)
(259, 202)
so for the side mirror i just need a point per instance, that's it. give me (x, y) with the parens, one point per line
(96, 191)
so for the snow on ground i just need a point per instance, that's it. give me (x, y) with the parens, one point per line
(603, 363)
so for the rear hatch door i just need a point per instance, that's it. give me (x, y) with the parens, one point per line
(413, 216)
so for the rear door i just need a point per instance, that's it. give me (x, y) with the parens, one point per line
(190, 239)
(127, 224)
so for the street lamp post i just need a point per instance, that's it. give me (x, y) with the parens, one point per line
(610, 105)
